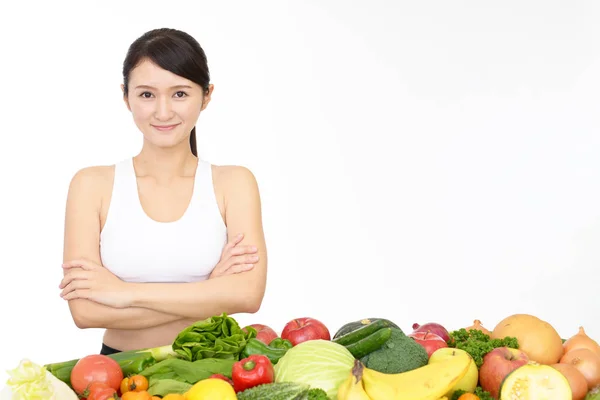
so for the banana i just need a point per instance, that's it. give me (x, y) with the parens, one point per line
(352, 388)
(430, 382)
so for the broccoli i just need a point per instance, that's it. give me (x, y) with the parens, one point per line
(317, 394)
(399, 354)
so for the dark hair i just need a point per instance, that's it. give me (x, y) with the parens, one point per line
(175, 51)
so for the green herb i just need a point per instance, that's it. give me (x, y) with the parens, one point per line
(479, 392)
(215, 337)
(478, 344)
(317, 394)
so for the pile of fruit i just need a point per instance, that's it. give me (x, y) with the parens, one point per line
(522, 357)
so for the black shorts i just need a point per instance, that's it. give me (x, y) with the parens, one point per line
(106, 350)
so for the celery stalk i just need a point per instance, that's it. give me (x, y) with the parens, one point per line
(131, 362)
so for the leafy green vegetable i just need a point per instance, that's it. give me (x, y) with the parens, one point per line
(478, 344)
(318, 363)
(215, 337)
(162, 387)
(30, 381)
(188, 372)
(317, 394)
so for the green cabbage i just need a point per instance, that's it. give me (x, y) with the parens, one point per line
(30, 381)
(319, 363)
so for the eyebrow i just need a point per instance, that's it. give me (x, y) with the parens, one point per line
(172, 87)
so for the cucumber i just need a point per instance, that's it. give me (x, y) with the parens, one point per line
(362, 332)
(369, 344)
(354, 325)
(275, 391)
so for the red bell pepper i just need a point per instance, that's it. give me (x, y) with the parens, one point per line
(252, 371)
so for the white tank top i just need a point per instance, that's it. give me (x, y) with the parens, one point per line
(137, 248)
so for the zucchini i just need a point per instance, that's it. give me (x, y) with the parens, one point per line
(535, 381)
(369, 344)
(362, 332)
(352, 326)
(275, 391)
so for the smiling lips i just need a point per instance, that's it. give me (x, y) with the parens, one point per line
(164, 128)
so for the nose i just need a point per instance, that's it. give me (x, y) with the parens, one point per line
(164, 111)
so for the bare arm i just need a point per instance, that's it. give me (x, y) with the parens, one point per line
(82, 240)
(238, 293)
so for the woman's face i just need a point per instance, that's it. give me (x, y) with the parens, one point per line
(165, 106)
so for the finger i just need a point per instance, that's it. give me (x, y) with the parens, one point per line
(79, 263)
(238, 238)
(231, 243)
(78, 294)
(75, 285)
(238, 268)
(73, 274)
(244, 259)
(239, 250)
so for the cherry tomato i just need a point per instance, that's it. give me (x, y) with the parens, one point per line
(134, 383)
(96, 368)
(143, 395)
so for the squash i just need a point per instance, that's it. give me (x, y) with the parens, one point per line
(537, 338)
(354, 325)
(535, 381)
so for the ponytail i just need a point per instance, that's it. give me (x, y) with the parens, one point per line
(193, 145)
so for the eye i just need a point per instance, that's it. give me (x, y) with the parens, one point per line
(180, 94)
(146, 95)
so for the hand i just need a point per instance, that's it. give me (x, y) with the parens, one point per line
(235, 259)
(84, 279)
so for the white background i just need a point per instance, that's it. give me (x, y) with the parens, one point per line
(421, 161)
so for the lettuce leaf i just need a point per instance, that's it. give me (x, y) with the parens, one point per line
(218, 337)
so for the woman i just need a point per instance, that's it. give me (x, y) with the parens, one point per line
(162, 239)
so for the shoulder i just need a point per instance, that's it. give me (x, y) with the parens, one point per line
(234, 181)
(90, 177)
(91, 182)
(234, 174)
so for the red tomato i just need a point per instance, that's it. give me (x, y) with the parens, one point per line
(96, 368)
(102, 393)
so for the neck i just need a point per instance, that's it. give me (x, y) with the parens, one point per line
(164, 164)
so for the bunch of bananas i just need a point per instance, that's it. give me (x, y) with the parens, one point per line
(430, 382)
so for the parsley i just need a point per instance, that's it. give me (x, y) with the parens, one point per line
(478, 344)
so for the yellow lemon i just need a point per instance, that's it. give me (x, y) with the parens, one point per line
(211, 389)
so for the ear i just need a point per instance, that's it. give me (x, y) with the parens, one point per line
(125, 99)
(207, 96)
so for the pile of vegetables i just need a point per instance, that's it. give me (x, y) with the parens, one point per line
(217, 357)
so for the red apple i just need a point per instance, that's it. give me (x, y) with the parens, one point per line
(429, 340)
(302, 329)
(434, 328)
(497, 364)
(264, 333)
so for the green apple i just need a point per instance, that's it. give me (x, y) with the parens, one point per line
(469, 382)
